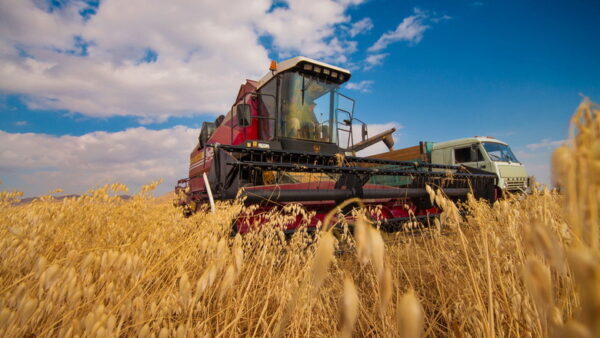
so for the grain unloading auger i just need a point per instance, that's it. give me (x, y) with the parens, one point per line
(289, 139)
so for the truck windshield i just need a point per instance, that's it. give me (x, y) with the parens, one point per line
(308, 107)
(500, 152)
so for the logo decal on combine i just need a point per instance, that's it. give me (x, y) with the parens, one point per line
(316, 148)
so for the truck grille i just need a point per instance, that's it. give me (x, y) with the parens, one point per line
(515, 183)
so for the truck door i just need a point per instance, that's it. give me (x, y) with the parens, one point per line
(470, 156)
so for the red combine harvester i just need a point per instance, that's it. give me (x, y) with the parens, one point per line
(288, 138)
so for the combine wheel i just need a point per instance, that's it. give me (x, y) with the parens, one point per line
(189, 209)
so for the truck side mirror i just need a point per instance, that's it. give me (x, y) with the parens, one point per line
(243, 114)
(364, 132)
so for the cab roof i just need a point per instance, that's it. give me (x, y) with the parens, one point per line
(468, 140)
(296, 61)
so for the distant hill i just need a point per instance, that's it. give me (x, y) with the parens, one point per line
(165, 197)
(170, 196)
(60, 198)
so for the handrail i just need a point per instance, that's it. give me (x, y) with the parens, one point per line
(350, 140)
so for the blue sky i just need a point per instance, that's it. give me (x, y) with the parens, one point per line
(94, 92)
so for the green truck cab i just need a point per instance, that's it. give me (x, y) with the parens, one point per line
(486, 153)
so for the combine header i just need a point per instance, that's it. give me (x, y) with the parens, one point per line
(288, 138)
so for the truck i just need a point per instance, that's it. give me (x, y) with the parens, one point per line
(480, 152)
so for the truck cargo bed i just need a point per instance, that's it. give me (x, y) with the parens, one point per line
(419, 153)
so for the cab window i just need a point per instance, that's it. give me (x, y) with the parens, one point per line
(308, 108)
(467, 154)
(267, 110)
(500, 152)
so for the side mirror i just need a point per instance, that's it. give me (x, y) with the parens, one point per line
(364, 132)
(243, 114)
(206, 132)
(219, 120)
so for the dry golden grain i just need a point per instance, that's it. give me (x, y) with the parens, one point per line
(5, 315)
(537, 279)
(29, 306)
(440, 201)
(586, 269)
(562, 161)
(409, 316)
(180, 333)
(348, 307)
(101, 333)
(385, 291)
(185, 291)
(573, 329)
(228, 279)
(363, 243)
(144, 331)
(377, 250)
(111, 323)
(40, 266)
(164, 333)
(49, 276)
(430, 192)
(89, 322)
(238, 254)
(323, 257)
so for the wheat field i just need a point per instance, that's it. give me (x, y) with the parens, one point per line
(98, 265)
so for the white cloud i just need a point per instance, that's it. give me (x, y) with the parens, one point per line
(374, 60)
(38, 163)
(537, 157)
(536, 164)
(25, 23)
(309, 28)
(546, 144)
(20, 123)
(411, 29)
(360, 27)
(204, 50)
(437, 19)
(362, 86)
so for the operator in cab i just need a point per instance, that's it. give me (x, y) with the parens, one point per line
(302, 119)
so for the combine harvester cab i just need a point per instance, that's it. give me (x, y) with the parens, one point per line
(288, 138)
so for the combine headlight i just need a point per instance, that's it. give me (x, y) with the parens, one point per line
(334, 75)
(308, 66)
(326, 71)
(317, 69)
